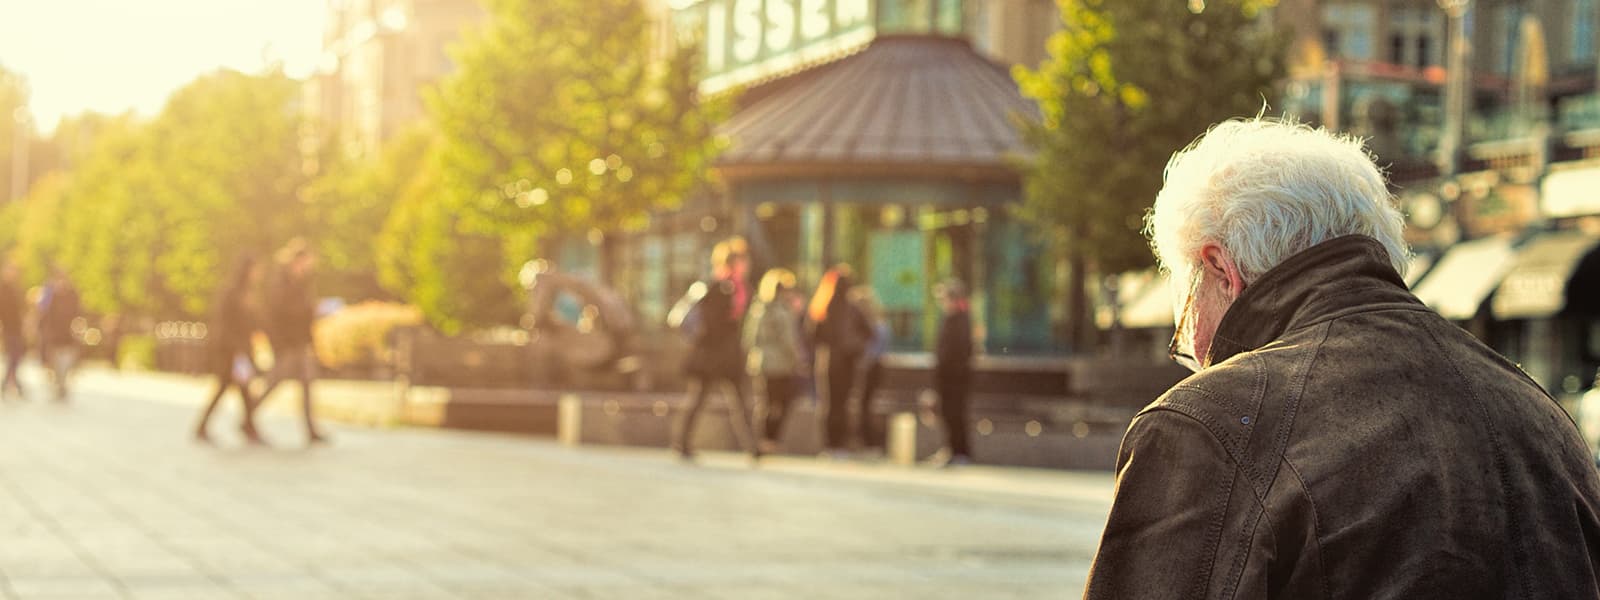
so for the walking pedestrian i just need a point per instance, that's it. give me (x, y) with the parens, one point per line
(59, 306)
(841, 334)
(952, 372)
(231, 359)
(716, 354)
(291, 312)
(777, 352)
(869, 428)
(12, 339)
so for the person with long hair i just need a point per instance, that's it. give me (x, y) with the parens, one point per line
(716, 354)
(777, 352)
(231, 360)
(841, 335)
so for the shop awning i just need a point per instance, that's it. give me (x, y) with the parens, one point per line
(904, 105)
(1536, 285)
(1465, 275)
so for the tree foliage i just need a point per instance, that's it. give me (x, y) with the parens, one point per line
(13, 96)
(433, 256)
(559, 119)
(349, 203)
(151, 212)
(1127, 83)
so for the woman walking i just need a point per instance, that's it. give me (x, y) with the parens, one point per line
(716, 354)
(231, 327)
(841, 334)
(777, 352)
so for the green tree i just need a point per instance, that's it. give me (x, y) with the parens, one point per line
(151, 213)
(35, 223)
(13, 98)
(433, 257)
(1127, 83)
(560, 121)
(348, 205)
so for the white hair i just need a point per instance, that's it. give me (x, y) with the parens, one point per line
(1265, 190)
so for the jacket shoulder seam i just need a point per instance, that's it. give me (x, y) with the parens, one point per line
(1262, 480)
(1206, 570)
(1518, 549)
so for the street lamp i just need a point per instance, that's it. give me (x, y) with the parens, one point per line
(1457, 88)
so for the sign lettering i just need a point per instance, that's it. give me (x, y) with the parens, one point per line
(716, 40)
(780, 25)
(852, 12)
(746, 40)
(814, 22)
(747, 30)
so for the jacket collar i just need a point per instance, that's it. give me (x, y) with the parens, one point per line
(1342, 275)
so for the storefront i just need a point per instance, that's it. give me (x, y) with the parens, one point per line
(1538, 325)
(905, 178)
(872, 133)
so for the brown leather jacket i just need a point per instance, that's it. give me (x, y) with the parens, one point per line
(1350, 443)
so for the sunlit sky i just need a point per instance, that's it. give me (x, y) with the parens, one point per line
(112, 56)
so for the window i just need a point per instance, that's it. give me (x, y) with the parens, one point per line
(1351, 26)
(948, 20)
(1412, 33)
(1503, 47)
(904, 16)
(1583, 31)
(920, 16)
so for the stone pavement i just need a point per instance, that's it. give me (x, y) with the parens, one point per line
(107, 497)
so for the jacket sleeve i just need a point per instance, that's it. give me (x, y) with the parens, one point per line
(1172, 490)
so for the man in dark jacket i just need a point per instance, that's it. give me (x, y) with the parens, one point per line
(291, 310)
(1340, 439)
(952, 371)
(12, 340)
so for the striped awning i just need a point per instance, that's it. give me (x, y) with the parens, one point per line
(1466, 275)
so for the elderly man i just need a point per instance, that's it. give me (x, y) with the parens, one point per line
(1339, 439)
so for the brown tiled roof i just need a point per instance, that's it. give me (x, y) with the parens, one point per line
(904, 104)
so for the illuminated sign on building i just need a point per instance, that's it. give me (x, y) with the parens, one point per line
(747, 40)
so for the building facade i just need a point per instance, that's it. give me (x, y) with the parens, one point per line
(378, 58)
(1507, 225)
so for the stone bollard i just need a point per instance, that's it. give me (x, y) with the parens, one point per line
(569, 419)
(903, 438)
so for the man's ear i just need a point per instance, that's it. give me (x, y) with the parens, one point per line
(1216, 259)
